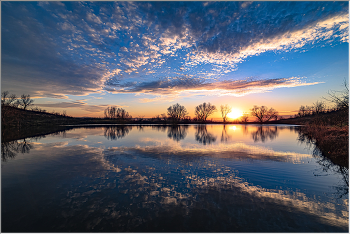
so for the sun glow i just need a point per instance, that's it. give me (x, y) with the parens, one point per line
(235, 114)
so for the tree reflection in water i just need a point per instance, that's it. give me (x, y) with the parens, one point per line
(327, 164)
(116, 132)
(161, 128)
(178, 132)
(140, 128)
(224, 135)
(245, 130)
(10, 149)
(194, 194)
(203, 136)
(264, 133)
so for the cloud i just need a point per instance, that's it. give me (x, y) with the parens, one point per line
(40, 94)
(78, 48)
(93, 18)
(284, 42)
(79, 104)
(160, 99)
(31, 55)
(196, 86)
(244, 87)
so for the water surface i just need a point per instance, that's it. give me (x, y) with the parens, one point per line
(233, 178)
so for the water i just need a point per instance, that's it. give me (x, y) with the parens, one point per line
(213, 178)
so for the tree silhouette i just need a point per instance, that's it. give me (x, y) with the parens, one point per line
(177, 112)
(110, 112)
(122, 114)
(263, 113)
(4, 96)
(225, 109)
(245, 118)
(9, 99)
(25, 101)
(319, 107)
(116, 113)
(204, 110)
(340, 98)
(302, 111)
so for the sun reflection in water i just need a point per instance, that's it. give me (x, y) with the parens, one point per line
(234, 128)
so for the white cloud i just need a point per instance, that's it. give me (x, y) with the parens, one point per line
(93, 18)
(171, 88)
(290, 40)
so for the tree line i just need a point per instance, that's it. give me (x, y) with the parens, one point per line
(8, 99)
(340, 108)
(203, 111)
(340, 100)
(178, 113)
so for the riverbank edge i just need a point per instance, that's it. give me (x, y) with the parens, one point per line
(332, 141)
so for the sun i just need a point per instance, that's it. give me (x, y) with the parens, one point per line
(235, 114)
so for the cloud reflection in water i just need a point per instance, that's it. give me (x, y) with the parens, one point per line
(157, 183)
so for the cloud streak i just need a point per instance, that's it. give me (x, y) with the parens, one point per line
(75, 104)
(196, 86)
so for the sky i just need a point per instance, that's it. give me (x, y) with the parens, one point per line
(83, 57)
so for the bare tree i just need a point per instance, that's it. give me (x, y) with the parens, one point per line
(163, 117)
(156, 118)
(309, 110)
(302, 111)
(116, 113)
(263, 113)
(110, 112)
(204, 110)
(340, 98)
(26, 101)
(9, 99)
(225, 109)
(245, 118)
(4, 96)
(177, 112)
(122, 114)
(319, 107)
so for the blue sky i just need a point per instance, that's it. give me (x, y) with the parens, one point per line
(145, 56)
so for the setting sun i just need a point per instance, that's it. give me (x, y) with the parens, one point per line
(235, 114)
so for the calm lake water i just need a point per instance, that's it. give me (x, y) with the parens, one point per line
(204, 178)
